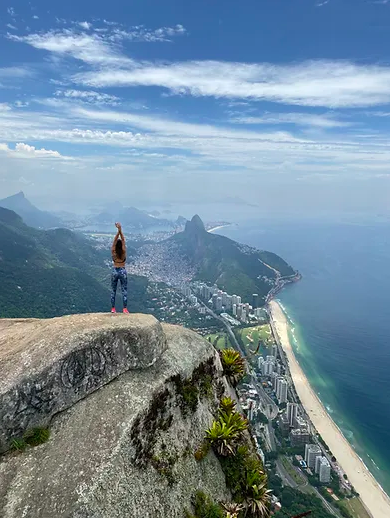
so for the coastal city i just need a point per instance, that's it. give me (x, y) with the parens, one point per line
(294, 454)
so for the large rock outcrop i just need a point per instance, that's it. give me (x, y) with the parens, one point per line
(48, 365)
(125, 447)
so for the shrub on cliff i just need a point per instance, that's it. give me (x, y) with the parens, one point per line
(233, 365)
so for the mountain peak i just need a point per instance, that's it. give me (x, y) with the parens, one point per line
(196, 225)
(28, 212)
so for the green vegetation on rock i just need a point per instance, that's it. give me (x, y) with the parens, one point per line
(233, 365)
(204, 507)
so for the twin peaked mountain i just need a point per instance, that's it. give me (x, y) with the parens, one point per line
(238, 269)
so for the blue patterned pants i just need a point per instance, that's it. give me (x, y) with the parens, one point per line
(119, 274)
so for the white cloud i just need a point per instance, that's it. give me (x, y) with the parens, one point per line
(10, 26)
(88, 96)
(90, 48)
(300, 119)
(107, 22)
(35, 17)
(96, 48)
(311, 83)
(11, 11)
(4, 107)
(174, 128)
(141, 33)
(23, 150)
(21, 104)
(85, 25)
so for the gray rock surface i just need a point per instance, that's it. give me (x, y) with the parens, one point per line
(48, 365)
(126, 450)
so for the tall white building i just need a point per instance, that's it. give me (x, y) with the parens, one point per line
(224, 298)
(243, 315)
(218, 305)
(205, 291)
(281, 390)
(267, 368)
(275, 350)
(260, 362)
(322, 468)
(229, 302)
(238, 299)
(292, 412)
(312, 451)
(234, 310)
(276, 378)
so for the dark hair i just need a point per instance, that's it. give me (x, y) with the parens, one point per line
(119, 249)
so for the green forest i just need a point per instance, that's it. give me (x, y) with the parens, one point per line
(55, 272)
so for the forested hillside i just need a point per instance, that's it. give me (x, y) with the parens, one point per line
(55, 272)
(234, 267)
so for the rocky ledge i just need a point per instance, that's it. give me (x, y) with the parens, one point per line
(136, 398)
(48, 365)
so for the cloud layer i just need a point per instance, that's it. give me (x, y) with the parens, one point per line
(96, 107)
(23, 150)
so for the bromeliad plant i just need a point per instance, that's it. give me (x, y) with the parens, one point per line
(227, 405)
(257, 496)
(225, 433)
(257, 503)
(235, 421)
(232, 509)
(222, 438)
(233, 365)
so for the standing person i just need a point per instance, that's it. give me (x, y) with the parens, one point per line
(118, 251)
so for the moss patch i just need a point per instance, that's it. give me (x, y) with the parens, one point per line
(32, 437)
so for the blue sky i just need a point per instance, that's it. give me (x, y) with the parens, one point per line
(265, 100)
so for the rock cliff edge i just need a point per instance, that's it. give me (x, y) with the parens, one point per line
(127, 400)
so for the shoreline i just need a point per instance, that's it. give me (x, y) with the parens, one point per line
(376, 501)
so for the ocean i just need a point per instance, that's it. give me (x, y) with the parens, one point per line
(340, 321)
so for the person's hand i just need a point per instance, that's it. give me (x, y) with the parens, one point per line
(118, 226)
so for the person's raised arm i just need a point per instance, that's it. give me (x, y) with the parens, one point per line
(122, 236)
(115, 238)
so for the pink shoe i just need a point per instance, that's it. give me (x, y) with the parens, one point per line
(113, 310)
(125, 310)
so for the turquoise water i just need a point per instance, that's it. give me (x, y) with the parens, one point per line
(340, 319)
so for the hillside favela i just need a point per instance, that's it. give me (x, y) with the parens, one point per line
(194, 259)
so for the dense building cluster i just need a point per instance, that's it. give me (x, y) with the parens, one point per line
(162, 262)
(224, 303)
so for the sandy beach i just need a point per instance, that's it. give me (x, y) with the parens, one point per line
(214, 229)
(374, 498)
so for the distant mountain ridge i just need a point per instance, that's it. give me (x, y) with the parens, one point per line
(129, 217)
(238, 269)
(29, 213)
